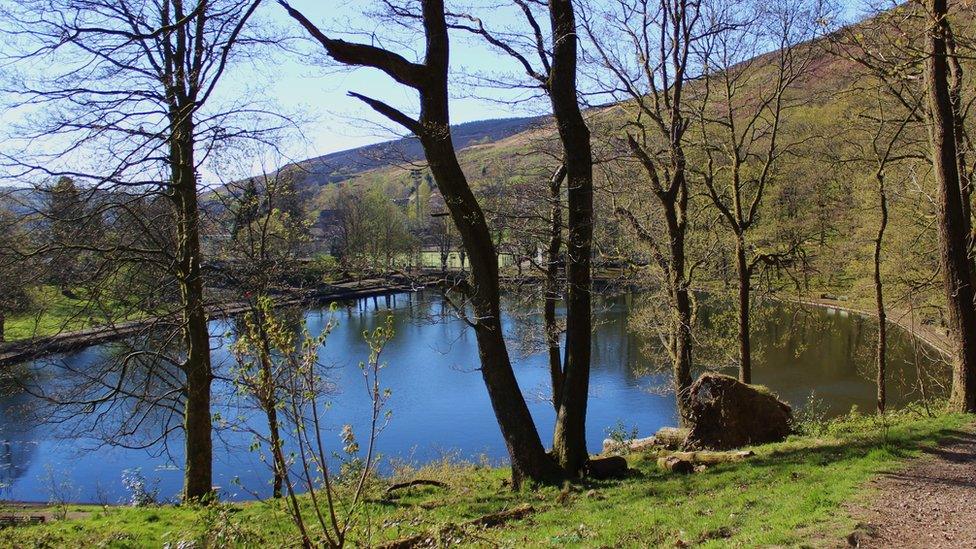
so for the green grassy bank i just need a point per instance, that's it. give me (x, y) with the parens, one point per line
(789, 494)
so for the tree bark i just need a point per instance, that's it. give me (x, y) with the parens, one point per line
(528, 456)
(569, 438)
(953, 241)
(959, 121)
(3, 326)
(744, 274)
(198, 474)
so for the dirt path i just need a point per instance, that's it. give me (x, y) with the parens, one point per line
(932, 503)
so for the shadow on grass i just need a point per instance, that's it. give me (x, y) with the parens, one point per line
(901, 447)
(782, 461)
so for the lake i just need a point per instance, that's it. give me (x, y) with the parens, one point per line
(440, 406)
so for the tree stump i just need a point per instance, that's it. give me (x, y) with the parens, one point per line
(606, 468)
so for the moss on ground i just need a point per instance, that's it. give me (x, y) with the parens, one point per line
(790, 494)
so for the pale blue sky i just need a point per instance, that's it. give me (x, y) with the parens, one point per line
(343, 122)
(311, 85)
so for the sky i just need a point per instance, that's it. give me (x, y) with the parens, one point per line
(343, 122)
(315, 88)
(307, 84)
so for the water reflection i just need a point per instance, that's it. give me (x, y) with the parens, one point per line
(17, 444)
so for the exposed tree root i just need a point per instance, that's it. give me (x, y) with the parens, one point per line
(416, 482)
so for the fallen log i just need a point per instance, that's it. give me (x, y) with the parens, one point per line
(712, 458)
(676, 465)
(637, 445)
(671, 437)
(486, 521)
(688, 462)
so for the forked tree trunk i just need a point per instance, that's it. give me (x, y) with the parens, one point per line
(528, 456)
(744, 274)
(430, 80)
(953, 241)
(198, 474)
(569, 438)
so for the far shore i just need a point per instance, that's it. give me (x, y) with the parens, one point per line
(932, 336)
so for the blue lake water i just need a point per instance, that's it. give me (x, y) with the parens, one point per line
(439, 403)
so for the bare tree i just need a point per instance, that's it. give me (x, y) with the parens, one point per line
(744, 99)
(645, 50)
(129, 90)
(429, 79)
(554, 73)
(888, 146)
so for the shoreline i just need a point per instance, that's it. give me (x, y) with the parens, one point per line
(927, 334)
(17, 352)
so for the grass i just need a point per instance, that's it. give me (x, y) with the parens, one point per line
(790, 494)
(55, 313)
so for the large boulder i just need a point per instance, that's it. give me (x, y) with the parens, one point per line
(726, 414)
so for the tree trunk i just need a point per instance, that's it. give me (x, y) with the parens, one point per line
(745, 280)
(879, 297)
(680, 337)
(953, 240)
(433, 128)
(276, 444)
(268, 391)
(959, 122)
(3, 327)
(528, 456)
(569, 439)
(198, 476)
(552, 293)
(682, 352)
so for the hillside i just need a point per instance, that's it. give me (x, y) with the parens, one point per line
(824, 193)
(343, 165)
